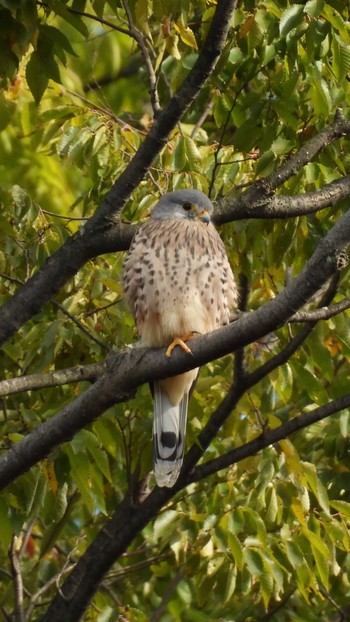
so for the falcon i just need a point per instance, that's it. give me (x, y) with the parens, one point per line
(178, 283)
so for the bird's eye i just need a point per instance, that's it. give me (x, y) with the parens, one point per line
(187, 206)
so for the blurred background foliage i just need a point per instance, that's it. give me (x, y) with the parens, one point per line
(269, 538)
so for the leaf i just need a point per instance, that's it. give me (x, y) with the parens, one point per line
(7, 529)
(57, 36)
(340, 60)
(314, 7)
(267, 584)
(230, 583)
(316, 485)
(316, 542)
(294, 554)
(254, 562)
(186, 34)
(236, 549)
(322, 565)
(291, 18)
(36, 78)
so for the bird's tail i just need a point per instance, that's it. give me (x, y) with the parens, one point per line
(169, 429)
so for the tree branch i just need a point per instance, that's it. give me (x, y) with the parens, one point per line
(323, 313)
(55, 378)
(268, 437)
(94, 237)
(256, 199)
(147, 60)
(282, 206)
(17, 581)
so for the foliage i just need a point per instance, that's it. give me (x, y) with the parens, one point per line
(79, 94)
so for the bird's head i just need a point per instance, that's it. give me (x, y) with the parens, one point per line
(184, 204)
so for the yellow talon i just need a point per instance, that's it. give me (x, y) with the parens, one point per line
(178, 341)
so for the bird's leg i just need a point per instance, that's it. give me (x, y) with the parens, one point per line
(180, 341)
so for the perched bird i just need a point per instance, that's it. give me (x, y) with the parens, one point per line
(178, 283)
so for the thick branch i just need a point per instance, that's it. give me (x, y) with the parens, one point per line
(127, 371)
(259, 194)
(92, 238)
(282, 206)
(268, 437)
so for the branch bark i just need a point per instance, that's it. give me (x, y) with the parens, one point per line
(52, 378)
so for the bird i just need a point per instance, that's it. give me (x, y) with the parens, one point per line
(178, 282)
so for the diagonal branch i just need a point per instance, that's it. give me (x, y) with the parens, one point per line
(259, 194)
(93, 238)
(268, 437)
(147, 60)
(282, 206)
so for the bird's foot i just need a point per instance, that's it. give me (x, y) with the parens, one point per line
(180, 341)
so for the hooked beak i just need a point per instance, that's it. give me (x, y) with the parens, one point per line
(204, 216)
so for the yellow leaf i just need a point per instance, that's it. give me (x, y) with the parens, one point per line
(298, 511)
(171, 46)
(49, 471)
(186, 34)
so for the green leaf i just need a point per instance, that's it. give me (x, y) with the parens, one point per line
(6, 525)
(36, 77)
(314, 7)
(254, 562)
(291, 18)
(267, 585)
(230, 583)
(236, 549)
(58, 37)
(294, 554)
(316, 485)
(316, 542)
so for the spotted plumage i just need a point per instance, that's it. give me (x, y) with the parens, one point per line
(177, 281)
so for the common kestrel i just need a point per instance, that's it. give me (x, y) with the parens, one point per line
(178, 282)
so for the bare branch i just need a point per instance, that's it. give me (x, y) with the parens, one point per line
(55, 378)
(324, 313)
(282, 206)
(258, 200)
(267, 438)
(141, 42)
(17, 581)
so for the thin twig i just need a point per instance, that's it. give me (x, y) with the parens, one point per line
(141, 42)
(72, 317)
(323, 313)
(160, 610)
(105, 22)
(17, 581)
(207, 110)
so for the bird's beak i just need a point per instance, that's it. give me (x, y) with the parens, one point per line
(204, 216)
